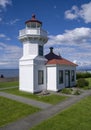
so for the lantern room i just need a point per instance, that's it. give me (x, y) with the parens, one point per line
(33, 23)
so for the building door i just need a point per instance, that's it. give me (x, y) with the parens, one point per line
(67, 78)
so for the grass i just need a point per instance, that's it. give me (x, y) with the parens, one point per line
(12, 110)
(8, 84)
(51, 98)
(77, 117)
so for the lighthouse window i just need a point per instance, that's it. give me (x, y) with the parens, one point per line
(40, 77)
(33, 25)
(40, 50)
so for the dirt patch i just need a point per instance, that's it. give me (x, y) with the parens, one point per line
(10, 79)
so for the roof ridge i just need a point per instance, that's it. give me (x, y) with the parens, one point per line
(61, 61)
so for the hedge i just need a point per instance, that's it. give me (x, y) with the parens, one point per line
(83, 75)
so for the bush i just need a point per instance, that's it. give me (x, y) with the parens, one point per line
(67, 90)
(83, 75)
(76, 92)
(82, 83)
(71, 91)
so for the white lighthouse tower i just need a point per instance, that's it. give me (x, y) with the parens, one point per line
(32, 69)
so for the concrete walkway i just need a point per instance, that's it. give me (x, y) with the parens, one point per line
(32, 120)
(32, 102)
(8, 88)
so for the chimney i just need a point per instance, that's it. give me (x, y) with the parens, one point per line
(51, 49)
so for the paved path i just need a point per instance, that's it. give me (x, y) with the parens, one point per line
(32, 120)
(8, 88)
(32, 102)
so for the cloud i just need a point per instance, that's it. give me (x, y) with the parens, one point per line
(77, 35)
(3, 36)
(9, 55)
(84, 12)
(12, 22)
(74, 45)
(4, 3)
(3, 63)
(73, 13)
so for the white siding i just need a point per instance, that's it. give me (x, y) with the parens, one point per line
(26, 75)
(51, 78)
(39, 87)
(65, 81)
(30, 49)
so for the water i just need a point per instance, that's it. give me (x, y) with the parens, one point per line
(9, 72)
(15, 72)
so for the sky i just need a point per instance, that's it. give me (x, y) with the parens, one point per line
(67, 22)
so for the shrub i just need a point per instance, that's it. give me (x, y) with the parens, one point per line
(77, 92)
(82, 83)
(83, 75)
(67, 90)
(71, 91)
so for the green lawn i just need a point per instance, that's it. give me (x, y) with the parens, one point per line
(8, 84)
(77, 117)
(51, 98)
(12, 110)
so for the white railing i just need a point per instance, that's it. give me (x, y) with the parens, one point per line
(36, 31)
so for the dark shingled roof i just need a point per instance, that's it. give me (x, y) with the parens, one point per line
(55, 59)
(51, 55)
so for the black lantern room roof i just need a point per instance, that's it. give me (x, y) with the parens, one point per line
(33, 19)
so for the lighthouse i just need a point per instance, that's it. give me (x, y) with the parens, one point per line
(38, 72)
(32, 69)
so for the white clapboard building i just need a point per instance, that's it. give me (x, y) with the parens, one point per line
(38, 72)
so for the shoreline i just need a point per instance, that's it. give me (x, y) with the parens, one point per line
(9, 79)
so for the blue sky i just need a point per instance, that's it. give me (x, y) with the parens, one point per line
(68, 23)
